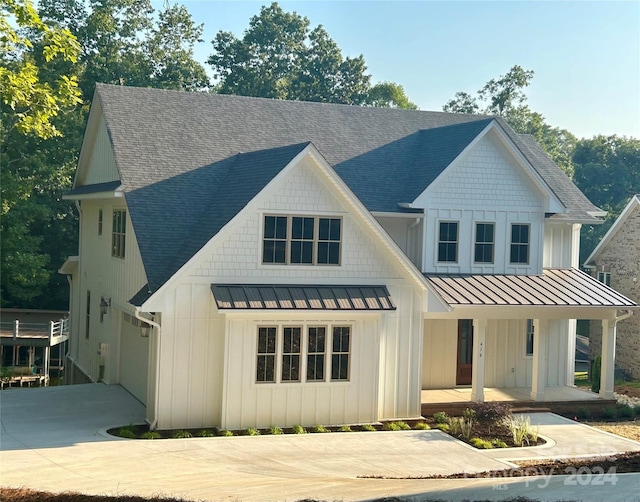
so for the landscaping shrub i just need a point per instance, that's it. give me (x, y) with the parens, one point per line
(491, 412)
(206, 433)
(345, 428)
(151, 435)
(521, 430)
(298, 429)
(368, 428)
(391, 426)
(422, 426)
(225, 433)
(181, 434)
(583, 413)
(442, 427)
(625, 412)
(498, 443)
(275, 431)
(469, 414)
(127, 432)
(482, 444)
(440, 417)
(251, 431)
(609, 412)
(319, 429)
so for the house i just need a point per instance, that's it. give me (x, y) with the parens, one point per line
(247, 262)
(616, 262)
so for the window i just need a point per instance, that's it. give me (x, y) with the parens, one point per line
(88, 316)
(118, 233)
(291, 354)
(99, 221)
(340, 353)
(605, 278)
(448, 242)
(315, 354)
(483, 252)
(519, 243)
(530, 332)
(295, 354)
(266, 355)
(301, 240)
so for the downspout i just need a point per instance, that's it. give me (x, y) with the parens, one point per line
(409, 229)
(153, 324)
(624, 316)
(77, 328)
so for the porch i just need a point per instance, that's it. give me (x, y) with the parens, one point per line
(556, 399)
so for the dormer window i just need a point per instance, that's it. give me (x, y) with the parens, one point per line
(301, 240)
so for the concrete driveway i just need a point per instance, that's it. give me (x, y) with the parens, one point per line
(54, 439)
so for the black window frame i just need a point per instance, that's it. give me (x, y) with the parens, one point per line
(518, 248)
(447, 246)
(119, 233)
(484, 246)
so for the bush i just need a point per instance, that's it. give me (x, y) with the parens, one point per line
(206, 433)
(298, 429)
(491, 412)
(440, 417)
(181, 434)
(595, 374)
(498, 443)
(225, 433)
(422, 426)
(521, 430)
(127, 432)
(319, 429)
(275, 431)
(482, 444)
(583, 413)
(251, 431)
(442, 427)
(368, 428)
(469, 414)
(625, 412)
(609, 412)
(345, 428)
(396, 426)
(151, 435)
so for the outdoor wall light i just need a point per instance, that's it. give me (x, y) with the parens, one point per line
(105, 303)
(145, 329)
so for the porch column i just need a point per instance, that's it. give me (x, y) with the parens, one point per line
(477, 372)
(540, 335)
(608, 358)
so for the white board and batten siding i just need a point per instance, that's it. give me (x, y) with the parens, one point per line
(209, 357)
(485, 186)
(506, 361)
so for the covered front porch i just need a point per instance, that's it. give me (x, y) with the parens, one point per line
(512, 338)
(557, 399)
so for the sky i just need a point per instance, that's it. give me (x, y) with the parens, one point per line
(585, 55)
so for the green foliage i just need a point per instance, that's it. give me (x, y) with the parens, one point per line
(469, 414)
(181, 434)
(127, 432)
(583, 413)
(298, 429)
(595, 374)
(609, 412)
(5, 373)
(521, 430)
(151, 435)
(442, 427)
(440, 417)
(225, 433)
(368, 427)
(422, 426)
(345, 428)
(275, 431)
(460, 426)
(625, 412)
(498, 443)
(481, 444)
(488, 413)
(251, 431)
(206, 433)
(280, 56)
(319, 429)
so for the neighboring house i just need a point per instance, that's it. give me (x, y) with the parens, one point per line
(616, 262)
(248, 262)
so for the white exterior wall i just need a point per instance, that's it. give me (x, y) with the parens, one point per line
(201, 349)
(506, 361)
(407, 234)
(102, 164)
(561, 245)
(485, 186)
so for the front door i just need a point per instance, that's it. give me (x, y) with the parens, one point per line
(465, 352)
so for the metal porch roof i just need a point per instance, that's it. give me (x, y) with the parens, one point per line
(298, 297)
(554, 287)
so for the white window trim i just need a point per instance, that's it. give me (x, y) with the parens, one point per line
(457, 241)
(304, 340)
(475, 242)
(316, 230)
(510, 243)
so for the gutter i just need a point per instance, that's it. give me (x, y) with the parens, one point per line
(628, 314)
(153, 324)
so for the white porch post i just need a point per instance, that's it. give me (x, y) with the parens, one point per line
(477, 372)
(540, 335)
(608, 358)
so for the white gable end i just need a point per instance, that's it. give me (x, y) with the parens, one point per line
(237, 257)
(486, 177)
(102, 164)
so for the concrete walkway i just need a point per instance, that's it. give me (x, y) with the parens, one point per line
(54, 439)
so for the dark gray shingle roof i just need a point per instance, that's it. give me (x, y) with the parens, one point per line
(184, 174)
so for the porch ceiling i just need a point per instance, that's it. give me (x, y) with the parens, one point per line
(563, 293)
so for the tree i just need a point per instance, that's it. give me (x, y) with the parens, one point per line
(30, 102)
(505, 97)
(280, 57)
(607, 170)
